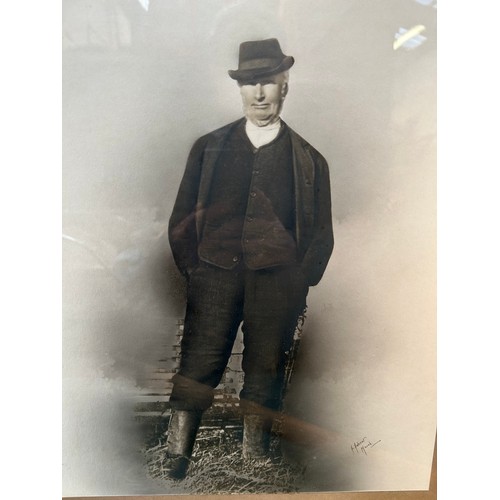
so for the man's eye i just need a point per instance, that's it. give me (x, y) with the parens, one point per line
(264, 82)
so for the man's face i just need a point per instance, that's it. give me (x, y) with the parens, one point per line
(263, 99)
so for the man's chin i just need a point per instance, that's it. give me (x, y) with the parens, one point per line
(263, 121)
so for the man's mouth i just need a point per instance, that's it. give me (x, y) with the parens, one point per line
(260, 106)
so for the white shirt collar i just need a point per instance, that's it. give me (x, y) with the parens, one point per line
(260, 136)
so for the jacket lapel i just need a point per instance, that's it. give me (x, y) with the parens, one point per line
(303, 169)
(213, 149)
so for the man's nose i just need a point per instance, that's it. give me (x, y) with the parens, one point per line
(259, 92)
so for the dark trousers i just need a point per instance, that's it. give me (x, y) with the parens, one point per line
(267, 303)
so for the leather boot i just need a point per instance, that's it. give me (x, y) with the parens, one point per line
(182, 431)
(256, 436)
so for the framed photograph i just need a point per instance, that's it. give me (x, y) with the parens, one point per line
(233, 169)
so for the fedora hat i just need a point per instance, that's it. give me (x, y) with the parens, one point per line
(260, 58)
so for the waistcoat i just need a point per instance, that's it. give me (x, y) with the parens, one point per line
(250, 216)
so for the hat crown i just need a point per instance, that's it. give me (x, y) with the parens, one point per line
(260, 49)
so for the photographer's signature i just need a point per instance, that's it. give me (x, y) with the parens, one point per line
(363, 445)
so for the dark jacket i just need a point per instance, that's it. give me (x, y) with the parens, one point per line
(313, 224)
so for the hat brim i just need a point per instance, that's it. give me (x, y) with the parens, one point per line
(252, 74)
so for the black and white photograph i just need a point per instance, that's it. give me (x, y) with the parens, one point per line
(248, 246)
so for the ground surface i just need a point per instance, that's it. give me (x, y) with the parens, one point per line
(218, 467)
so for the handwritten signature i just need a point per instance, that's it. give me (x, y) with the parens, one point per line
(363, 445)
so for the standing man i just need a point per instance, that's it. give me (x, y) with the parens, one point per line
(251, 230)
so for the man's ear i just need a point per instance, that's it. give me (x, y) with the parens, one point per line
(284, 90)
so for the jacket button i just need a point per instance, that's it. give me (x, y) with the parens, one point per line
(236, 258)
(249, 219)
(253, 194)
